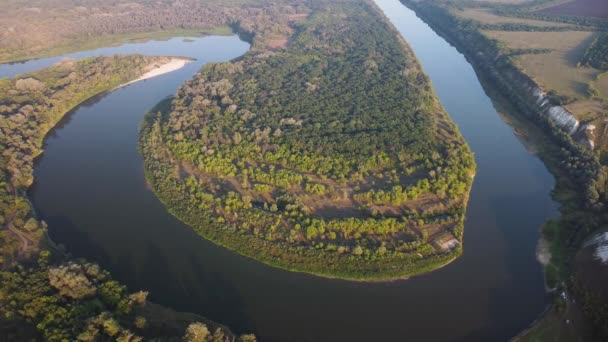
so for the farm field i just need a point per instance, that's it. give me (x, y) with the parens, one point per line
(559, 71)
(484, 15)
(553, 58)
(590, 8)
(556, 70)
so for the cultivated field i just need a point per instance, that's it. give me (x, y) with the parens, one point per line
(556, 70)
(554, 59)
(588, 8)
(485, 16)
(559, 71)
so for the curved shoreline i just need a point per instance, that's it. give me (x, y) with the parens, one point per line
(89, 79)
(221, 238)
(299, 252)
(559, 241)
(242, 282)
(174, 64)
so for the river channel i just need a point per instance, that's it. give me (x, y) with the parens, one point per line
(90, 188)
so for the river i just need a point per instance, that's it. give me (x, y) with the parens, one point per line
(91, 190)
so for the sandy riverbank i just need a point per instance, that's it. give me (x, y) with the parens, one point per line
(157, 70)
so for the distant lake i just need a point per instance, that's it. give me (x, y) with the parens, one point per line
(90, 188)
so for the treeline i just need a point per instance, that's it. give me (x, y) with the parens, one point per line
(26, 30)
(525, 13)
(596, 54)
(78, 301)
(30, 105)
(526, 10)
(494, 4)
(517, 27)
(280, 147)
(534, 51)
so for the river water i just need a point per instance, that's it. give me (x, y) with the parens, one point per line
(91, 190)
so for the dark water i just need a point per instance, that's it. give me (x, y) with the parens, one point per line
(90, 189)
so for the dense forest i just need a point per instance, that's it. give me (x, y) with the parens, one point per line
(59, 300)
(43, 294)
(37, 28)
(330, 156)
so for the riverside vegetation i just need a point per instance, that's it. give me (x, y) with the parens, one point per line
(597, 53)
(514, 47)
(44, 294)
(45, 28)
(327, 153)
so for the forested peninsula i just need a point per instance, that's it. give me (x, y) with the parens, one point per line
(45, 295)
(325, 151)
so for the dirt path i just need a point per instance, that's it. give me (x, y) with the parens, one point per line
(25, 241)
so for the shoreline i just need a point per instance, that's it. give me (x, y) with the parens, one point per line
(547, 144)
(99, 42)
(175, 63)
(264, 254)
(220, 238)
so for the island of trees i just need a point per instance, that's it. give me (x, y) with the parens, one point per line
(325, 151)
(44, 295)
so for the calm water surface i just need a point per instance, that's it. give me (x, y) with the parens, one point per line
(91, 190)
(208, 49)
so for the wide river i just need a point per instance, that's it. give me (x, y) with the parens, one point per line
(90, 188)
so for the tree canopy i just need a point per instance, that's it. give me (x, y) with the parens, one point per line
(332, 146)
